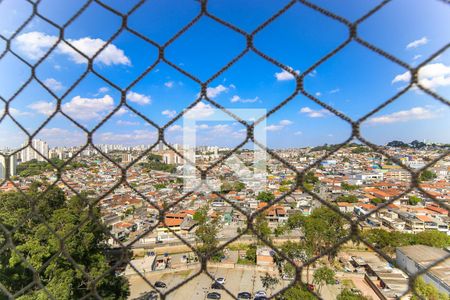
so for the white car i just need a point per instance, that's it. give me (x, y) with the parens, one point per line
(220, 280)
(260, 294)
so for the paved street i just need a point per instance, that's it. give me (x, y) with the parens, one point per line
(237, 280)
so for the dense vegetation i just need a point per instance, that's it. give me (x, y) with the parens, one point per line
(347, 198)
(154, 162)
(428, 291)
(206, 235)
(85, 244)
(34, 167)
(228, 186)
(427, 175)
(388, 241)
(414, 144)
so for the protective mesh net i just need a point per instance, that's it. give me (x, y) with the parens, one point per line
(203, 12)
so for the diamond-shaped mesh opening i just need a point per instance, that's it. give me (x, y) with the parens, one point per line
(130, 209)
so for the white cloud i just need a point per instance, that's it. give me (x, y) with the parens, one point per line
(53, 132)
(285, 75)
(402, 77)
(169, 113)
(337, 90)
(274, 127)
(417, 43)
(35, 44)
(318, 94)
(121, 112)
(417, 56)
(430, 76)
(103, 90)
(213, 92)
(174, 128)
(314, 113)
(53, 84)
(139, 98)
(43, 107)
(415, 113)
(286, 122)
(202, 126)
(221, 128)
(18, 113)
(298, 133)
(127, 123)
(88, 108)
(236, 98)
(169, 84)
(200, 111)
(140, 136)
(280, 125)
(62, 137)
(111, 55)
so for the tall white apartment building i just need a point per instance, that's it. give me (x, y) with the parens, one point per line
(12, 166)
(29, 153)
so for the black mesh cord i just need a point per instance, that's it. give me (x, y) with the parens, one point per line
(203, 12)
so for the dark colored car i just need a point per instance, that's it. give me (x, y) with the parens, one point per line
(216, 286)
(244, 295)
(153, 295)
(213, 295)
(310, 287)
(160, 284)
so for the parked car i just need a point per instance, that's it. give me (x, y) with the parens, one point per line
(216, 286)
(244, 295)
(160, 284)
(153, 295)
(220, 280)
(260, 294)
(213, 295)
(310, 287)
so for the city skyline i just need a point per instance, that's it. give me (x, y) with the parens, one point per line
(354, 81)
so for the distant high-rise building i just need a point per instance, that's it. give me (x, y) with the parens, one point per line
(29, 153)
(4, 167)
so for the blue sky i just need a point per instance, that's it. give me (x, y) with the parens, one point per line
(354, 81)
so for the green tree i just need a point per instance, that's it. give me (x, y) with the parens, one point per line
(414, 200)
(250, 253)
(279, 230)
(295, 220)
(206, 235)
(428, 291)
(323, 229)
(265, 196)
(269, 282)
(311, 178)
(348, 294)
(427, 175)
(376, 200)
(297, 292)
(348, 187)
(201, 215)
(347, 198)
(85, 243)
(388, 241)
(322, 276)
(261, 226)
(432, 238)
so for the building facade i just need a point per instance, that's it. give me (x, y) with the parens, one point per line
(4, 166)
(29, 153)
